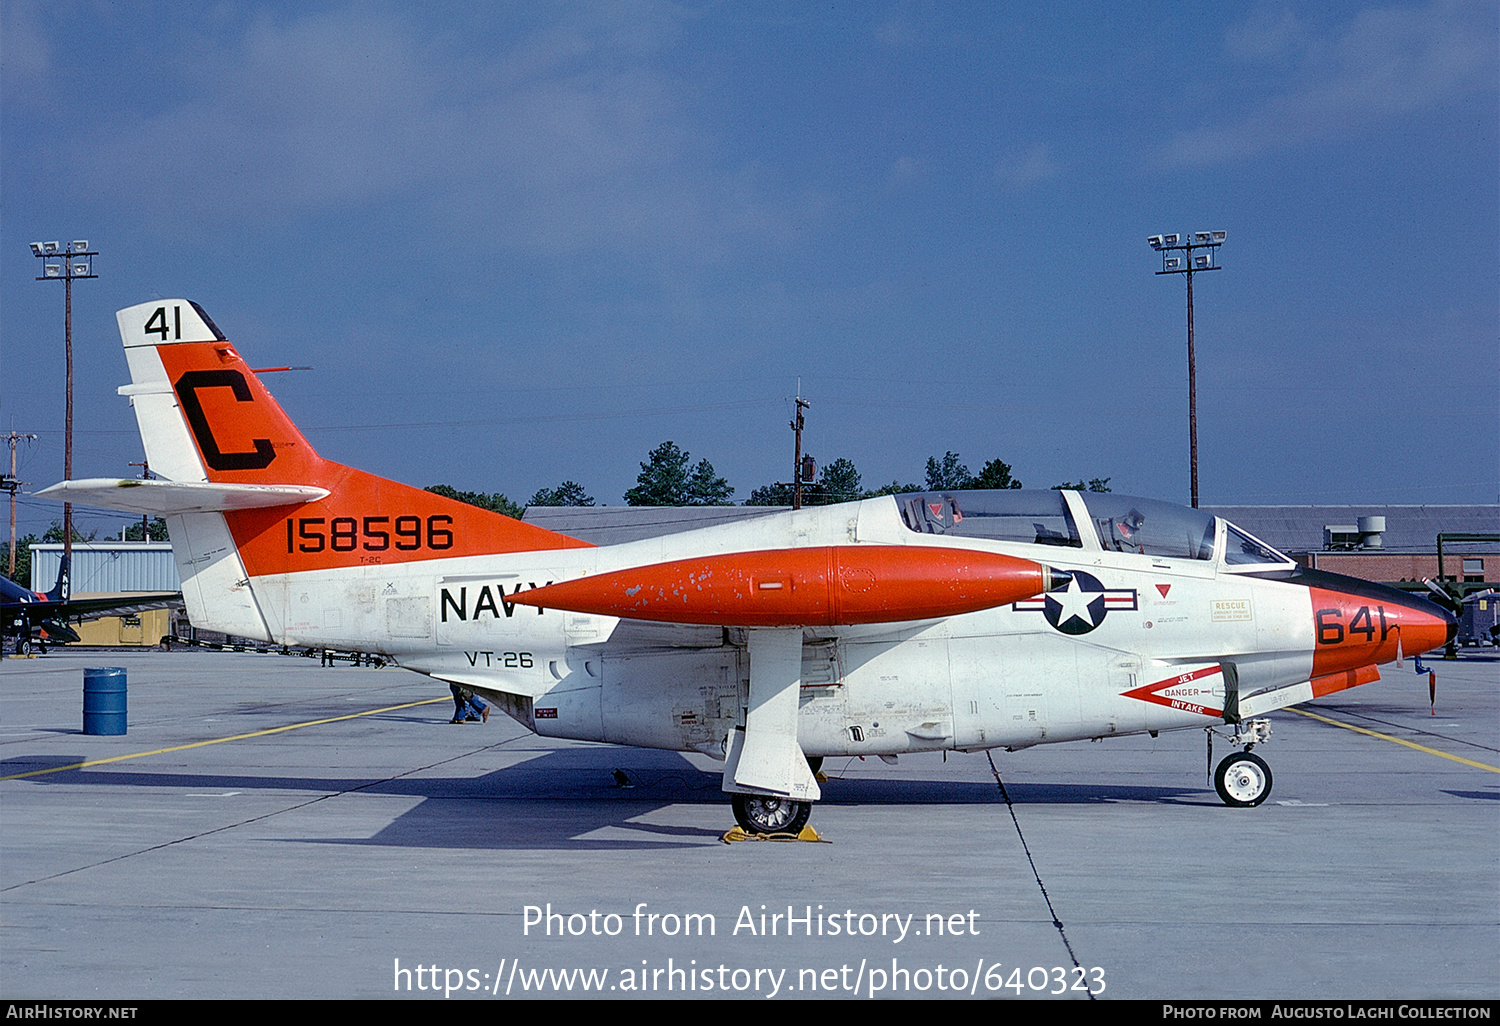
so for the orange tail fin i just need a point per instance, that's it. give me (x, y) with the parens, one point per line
(205, 416)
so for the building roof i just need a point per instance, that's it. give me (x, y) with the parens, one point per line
(1407, 528)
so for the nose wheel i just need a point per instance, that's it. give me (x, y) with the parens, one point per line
(766, 814)
(1243, 780)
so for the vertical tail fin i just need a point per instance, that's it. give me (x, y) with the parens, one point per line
(205, 416)
(59, 592)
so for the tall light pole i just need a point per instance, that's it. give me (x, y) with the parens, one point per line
(65, 265)
(1199, 252)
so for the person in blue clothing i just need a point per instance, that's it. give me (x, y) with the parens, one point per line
(467, 706)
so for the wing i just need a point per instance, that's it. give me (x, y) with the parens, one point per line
(774, 594)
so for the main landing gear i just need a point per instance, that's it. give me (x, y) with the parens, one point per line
(766, 773)
(765, 814)
(1243, 780)
(768, 814)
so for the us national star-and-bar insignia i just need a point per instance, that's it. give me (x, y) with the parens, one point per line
(1081, 606)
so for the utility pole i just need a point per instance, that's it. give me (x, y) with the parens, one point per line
(1189, 264)
(76, 262)
(145, 466)
(10, 484)
(802, 404)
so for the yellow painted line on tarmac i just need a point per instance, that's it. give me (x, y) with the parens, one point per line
(1396, 740)
(221, 740)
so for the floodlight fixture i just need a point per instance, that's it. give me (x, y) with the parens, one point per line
(76, 263)
(1196, 251)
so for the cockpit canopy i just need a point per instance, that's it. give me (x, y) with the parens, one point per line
(1121, 523)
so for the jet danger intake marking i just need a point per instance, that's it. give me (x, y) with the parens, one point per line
(1189, 691)
(1081, 606)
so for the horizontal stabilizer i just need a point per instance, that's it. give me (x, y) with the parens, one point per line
(165, 498)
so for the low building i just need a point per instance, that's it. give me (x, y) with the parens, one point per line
(1386, 543)
(113, 569)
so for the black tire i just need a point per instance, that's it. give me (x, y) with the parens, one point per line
(23, 646)
(815, 763)
(765, 814)
(1243, 781)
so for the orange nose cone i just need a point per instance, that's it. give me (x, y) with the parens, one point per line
(1367, 623)
(823, 586)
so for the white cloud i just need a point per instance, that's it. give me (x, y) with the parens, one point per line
(28, 52)
(1023, 168)
(1381, 64)
(568, 138)
(1268, 33)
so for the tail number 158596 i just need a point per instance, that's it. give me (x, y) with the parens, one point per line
(372, 534)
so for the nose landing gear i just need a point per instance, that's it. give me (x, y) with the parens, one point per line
(1243, 780)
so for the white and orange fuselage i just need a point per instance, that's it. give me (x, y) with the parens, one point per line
(960, 620)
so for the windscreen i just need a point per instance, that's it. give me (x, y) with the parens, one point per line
(1242, 550)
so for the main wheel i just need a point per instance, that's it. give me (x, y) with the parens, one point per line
(23, 646)
(1243, 780)
(764, 814)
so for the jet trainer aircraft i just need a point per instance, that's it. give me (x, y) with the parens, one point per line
(963, 620)
(23, 612)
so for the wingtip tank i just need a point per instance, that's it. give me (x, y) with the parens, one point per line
(818, 586)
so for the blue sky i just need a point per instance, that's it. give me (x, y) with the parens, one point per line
(526, 242)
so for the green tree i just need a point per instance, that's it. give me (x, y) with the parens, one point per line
(947, 475)
(950, 475)
(705, 488)
(1094, 484)
(996, 474)
(665, 480)
(771, 495)
(157, 530)
(840, 481)
(54, 533)
(496, 503)
(22, 575)
(569, 493)
(894, 488)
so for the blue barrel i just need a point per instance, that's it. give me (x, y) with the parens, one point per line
(104, 700)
